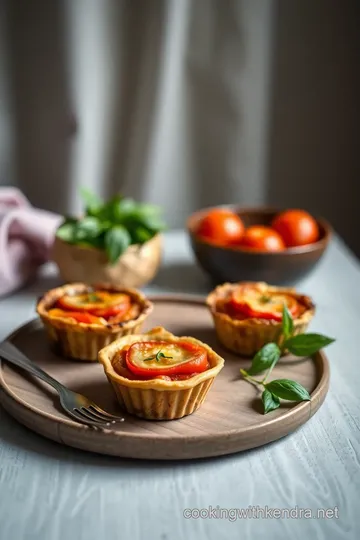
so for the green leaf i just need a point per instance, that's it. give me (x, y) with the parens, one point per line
(140, 221)
(106, 212)
(88, 229)
(109, 212)
(161, 355)
(125, 207)
(93, 297)
(266, 357)
(117, 240)
(156, 356)
(270, 401)
(67, 232)
(140, 235)
(91, 201)
(287, 323)
(153, 223)
(287, 389)
(307, 344)
(134, 215)
(149, 210)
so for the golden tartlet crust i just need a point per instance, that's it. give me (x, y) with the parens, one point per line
(157, 399)
(82, 341)
(247, 336)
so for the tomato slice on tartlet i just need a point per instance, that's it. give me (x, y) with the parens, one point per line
(79, 316)
(156, 358)
(100, 303)
(253, 303)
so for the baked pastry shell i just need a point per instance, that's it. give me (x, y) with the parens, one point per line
(158, 399)
(81, 341)
(246, 337)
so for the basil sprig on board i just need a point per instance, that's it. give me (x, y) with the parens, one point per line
(267, 357)
(111, 226)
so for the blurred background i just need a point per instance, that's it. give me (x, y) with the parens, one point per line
(183, 103)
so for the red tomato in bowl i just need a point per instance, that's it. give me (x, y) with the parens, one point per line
(296, 227)
(221, 226)
(261, 238)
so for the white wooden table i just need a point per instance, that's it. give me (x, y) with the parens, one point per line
(51, 492)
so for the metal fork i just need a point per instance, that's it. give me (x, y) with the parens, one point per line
(76, 405)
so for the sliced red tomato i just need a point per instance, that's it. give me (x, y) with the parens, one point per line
(263, 305)
(154, 358)
(77, 315)
(112, 311)
(119, 365)
(100, 303)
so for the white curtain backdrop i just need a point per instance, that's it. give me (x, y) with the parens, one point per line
(168, 99)
(183, 103)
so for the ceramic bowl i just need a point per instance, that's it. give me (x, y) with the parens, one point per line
(232, 264)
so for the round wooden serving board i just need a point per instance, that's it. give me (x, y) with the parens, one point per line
(230, 419)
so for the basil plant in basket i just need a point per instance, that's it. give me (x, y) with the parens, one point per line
(117, 241)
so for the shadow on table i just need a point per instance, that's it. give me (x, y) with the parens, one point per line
(16, 435)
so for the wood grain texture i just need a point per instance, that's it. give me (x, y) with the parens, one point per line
(230, 419)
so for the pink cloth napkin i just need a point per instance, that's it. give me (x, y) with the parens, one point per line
(26, 237)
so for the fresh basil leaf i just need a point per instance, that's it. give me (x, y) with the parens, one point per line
(114, 203)
(287, 389)
(67, 232)
(91, 201)
(153, 223)
(266, 357)
(162, 355)
(108, 212)
(147, 210)
(140, 235)
(270, 401)
(88, 229)
(307, 344)
(70, 219)
(125, 207)
(117, 240)
(135, 217)
(133, 214)
(287, 322)
(146, 215)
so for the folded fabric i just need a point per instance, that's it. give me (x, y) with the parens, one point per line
(26, 238)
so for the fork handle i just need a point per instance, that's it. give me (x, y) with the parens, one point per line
(11, 354)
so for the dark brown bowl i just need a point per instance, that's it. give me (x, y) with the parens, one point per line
(232, 264)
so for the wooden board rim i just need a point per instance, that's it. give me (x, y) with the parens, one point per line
(13, 404)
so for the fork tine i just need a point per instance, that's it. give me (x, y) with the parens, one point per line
(88, 416)
(99, 416)
(106, 414)
(80, 418)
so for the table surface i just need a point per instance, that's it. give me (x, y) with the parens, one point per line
(51, 492)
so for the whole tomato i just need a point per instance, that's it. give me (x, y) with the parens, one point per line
(221, 226)
(296, 227)
(261, 238)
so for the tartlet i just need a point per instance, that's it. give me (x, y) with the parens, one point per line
(78, 329)
(158, 397)
(245, 331)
